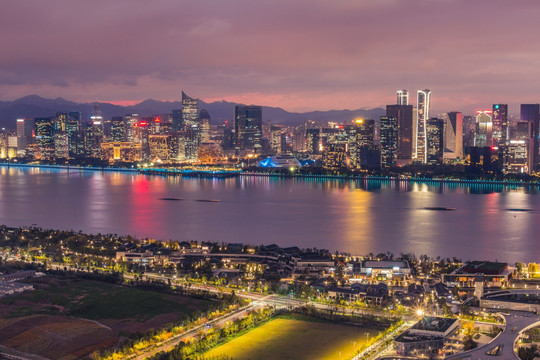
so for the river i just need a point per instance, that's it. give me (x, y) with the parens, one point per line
(484, 222)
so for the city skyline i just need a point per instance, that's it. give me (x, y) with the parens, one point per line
(121, 54)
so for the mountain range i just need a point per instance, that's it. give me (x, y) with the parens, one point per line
(35, 106)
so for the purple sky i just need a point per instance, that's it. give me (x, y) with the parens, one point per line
(299, 55)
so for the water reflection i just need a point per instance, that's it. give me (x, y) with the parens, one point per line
(356, 216)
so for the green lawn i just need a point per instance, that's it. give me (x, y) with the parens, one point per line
(98, 300)
(295, 339)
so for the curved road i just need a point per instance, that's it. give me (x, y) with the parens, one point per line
(516, 323)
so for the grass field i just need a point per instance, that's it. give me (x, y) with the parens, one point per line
(295, 339)
(97, 300)
(69, 318)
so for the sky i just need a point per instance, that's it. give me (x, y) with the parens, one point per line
(300, 55)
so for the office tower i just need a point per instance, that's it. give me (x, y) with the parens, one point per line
(523, 129)
(402, 97)
(177, 120)
(404, 116)
(434, 140)
(25, 133)
(389, 140)
(313, 141)
(370, 157)
(365, 131)
(94, 133)
(44, 137)
(360, 134)
(276, 132)
(75, 134)
(484, 128)
(422, 109)
(334, 156)
(60, 121)
(469, 130)
(118, 129)
(140, 136)
(189, 111)
(61, 145)
(130, 120)
(248, 127)
(159, 148)
(204, 118)
(453, 135)
(514, 157)
(531, 113)
(500, 124)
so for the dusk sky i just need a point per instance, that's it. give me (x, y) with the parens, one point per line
(299, 55)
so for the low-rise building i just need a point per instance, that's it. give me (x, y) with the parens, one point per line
(491, 274)
(426, 337)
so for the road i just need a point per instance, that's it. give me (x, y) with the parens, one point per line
(516, 323)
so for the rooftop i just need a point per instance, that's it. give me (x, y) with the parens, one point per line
(433, 323)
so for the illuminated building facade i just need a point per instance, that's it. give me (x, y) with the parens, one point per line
(434, 140)
(313, 141)
(500, 125)
(403, 97)
(121, 152)
(159, 147)
(335, 156)
(204, 118)
(118, 129)
(60, 121)
(514, 157)
(404, 116)
(61, 145)
(389, 140)
(531, 113)
(44, 137)
(484, 128)
(210, 152)
(248, 127)
(422, 109)
(25, 133)
(361, 134)
(453, 135)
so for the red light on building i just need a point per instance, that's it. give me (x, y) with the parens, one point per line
(157, 119)
(143, 123)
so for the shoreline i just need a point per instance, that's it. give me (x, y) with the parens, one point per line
(226, 174)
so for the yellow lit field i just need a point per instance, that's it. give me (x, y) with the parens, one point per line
(295, 339)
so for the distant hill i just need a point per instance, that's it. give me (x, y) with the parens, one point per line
(35, 106)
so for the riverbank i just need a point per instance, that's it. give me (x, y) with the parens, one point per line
(234, 173)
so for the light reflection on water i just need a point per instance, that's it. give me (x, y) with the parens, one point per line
(347, 215)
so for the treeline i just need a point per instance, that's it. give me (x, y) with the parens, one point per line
(194, 347)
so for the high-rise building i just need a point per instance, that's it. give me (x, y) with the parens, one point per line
(361, 134)
(75, 135)
(44, 137)
(404, 116)
(531, 113)
(434, 140)
(484, 128)
(453, 135)
(204, 118)
(189, 110)
(118, 129)
(177, 120)
(423, 107)
(94, 133)
(313, 141)
(276, 132)
(25, 133)
(61, 145)
(335, 156)
(402, 97)
(514, 157)
(130, 120)
(60, 121)
(248, 127)
(500, 125)
(389, 140)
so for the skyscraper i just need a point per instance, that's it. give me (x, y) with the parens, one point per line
(191, 125)
(389, 140)
(44, 137)
(248, 127)
(500, 125)
(402, 97)
(434, 141)
(118, 129)
(313, 139)
(204, 118)
(423, 108)
(25, 133)
(531, 113)
(453, 135)
(361, 134)
(484, 128)
(404, 116)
